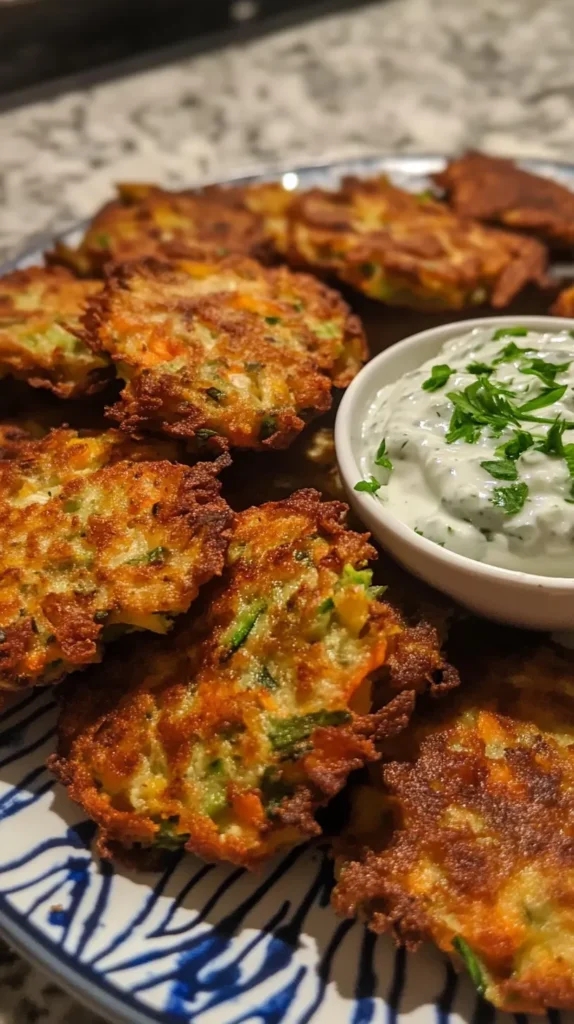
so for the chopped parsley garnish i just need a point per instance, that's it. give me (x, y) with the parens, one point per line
(480, 404)
(510, 332)
(501, 469)
(548, 396)
(381, 458)
(520, 442)
(552, 443)
(510, 499)
(480, 369)
(440, 375)
(510, 352)
(472, 964)
(546, 372)
(371, 486)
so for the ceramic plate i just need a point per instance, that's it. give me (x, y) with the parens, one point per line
(215, 945)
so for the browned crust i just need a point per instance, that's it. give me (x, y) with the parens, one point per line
(407, 250)
(478, 836)
(48, 629)
(256, 323)
(564, 305)
(40, 299)
(104, 731)
(146, 220)
(493, 189)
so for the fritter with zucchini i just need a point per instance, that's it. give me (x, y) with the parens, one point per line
(409, 250)
(493, 189)
(564, 305)
(98, 536)
(146, 220)
(468, 837)
(228, 738)
(224, 349)
(40, 332)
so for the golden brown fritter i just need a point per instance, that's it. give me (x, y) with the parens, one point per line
(228, 738)
(146, 220)
(492, 189)
(409, 250)
(97, 537)
(480, 855)
(227, 349)
(40, 332)
(564, 305)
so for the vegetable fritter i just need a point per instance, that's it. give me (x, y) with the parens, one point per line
(227, 739)
(481, 856)
(564, 305)
(98, 537)
(409, 250)
(40, 332)
(146, 220)
(227, 349)
(493, 189)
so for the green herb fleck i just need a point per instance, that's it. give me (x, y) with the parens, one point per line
(72, 505)
(440, 375)
(381, 458)
(510, 499)
(268, 427)
(520, 442)
(480, 369)
(272, 320)
(238, 633)
(287, 735)
(548, 396)
(510, 332)
(273, 789)
(472, 964)
(266, 680)
(204, 433)
(501, 469)
(167, 838)
(328, 329)
(215, 393)
(326, 606)
(371, 486)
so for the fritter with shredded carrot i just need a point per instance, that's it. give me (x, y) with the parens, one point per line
(40, 332)
(493, 189)
(409, 250)
(97, 537)
(146, 220)
(468, 837)
(224, 349)
(227, 739)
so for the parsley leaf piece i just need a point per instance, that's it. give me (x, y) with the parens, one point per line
(520, 442)
(552, 443)
(480, 369)
(546, 372)
(569, 458)
(510, 352)
(462, 428)
(371, 486)
(381, 458)
(548, 396)
(440, 374)
(511, 499)
(501, 469)
(510, 332)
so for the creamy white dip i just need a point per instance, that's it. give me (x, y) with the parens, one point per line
(517, 511)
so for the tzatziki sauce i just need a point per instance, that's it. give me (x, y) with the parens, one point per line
(474, 450)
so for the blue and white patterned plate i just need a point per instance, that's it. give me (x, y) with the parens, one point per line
(212, 945)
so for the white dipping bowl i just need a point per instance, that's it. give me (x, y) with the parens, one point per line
(517, 598)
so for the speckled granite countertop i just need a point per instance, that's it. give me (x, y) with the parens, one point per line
(406, 75)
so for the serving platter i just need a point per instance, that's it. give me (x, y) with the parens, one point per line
(198, 942)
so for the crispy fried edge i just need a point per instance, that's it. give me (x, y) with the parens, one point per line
(346, 748)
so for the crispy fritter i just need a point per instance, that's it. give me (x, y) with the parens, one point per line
(98, 537)
(146, 220)
(564, 305)
(409, 250)
(492, 189)
(481, 858)
(224, 348)
(40, 332)
(227, 739)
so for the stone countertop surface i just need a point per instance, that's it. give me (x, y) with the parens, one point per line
(400, 76)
